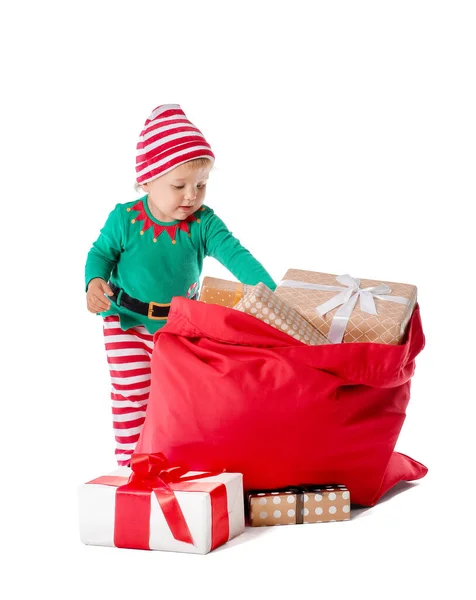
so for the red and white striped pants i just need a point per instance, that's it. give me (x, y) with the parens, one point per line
(128, 355)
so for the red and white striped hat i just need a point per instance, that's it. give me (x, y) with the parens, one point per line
(167, 141)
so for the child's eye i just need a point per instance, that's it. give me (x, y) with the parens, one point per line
(180, 187)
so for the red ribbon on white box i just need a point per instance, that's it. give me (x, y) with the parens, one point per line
(152, 475)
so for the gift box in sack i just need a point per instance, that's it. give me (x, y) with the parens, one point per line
(155, 507)
(260, 302)
(222, 292)
(254, 400)
(346, 309)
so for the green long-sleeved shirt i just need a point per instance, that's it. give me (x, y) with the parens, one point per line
(136, 253)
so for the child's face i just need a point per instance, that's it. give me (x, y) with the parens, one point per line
(178, 193)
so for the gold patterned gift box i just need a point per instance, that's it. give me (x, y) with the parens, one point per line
(294, 506)
(222, 292)
(346, 309)
(262, 303)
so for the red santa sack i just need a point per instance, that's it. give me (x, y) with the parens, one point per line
(231, 392)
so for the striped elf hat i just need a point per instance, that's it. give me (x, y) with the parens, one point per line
(167, 141)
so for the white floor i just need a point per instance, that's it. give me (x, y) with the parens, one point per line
(409, 545)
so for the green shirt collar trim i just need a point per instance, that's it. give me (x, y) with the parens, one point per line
(145, 204)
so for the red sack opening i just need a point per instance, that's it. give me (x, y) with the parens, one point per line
(231, 392)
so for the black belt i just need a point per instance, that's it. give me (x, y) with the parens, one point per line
(154, 310)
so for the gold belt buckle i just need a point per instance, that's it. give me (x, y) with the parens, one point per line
(151, 309)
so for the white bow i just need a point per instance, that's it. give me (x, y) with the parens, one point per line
(347, 299)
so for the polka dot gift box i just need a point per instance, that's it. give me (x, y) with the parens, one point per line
(309, 504)
(322, 504)
(222, 292)
(274, 508)
(262, 303)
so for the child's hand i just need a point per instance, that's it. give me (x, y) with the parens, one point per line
(95, 298)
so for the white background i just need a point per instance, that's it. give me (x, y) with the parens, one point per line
(345, 141)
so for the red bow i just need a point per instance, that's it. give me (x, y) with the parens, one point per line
(150, 472)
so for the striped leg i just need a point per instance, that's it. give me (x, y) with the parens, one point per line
(128, 354)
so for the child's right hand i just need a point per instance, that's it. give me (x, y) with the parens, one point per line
(95, 298)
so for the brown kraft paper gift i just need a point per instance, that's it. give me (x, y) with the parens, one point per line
(222, 292)
(387, 326)
(265, 305)
(310, 504)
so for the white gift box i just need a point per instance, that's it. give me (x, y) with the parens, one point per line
(97, 503)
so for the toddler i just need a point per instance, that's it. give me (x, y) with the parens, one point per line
(152, 249)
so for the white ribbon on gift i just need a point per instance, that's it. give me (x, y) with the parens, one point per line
(346, 299)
